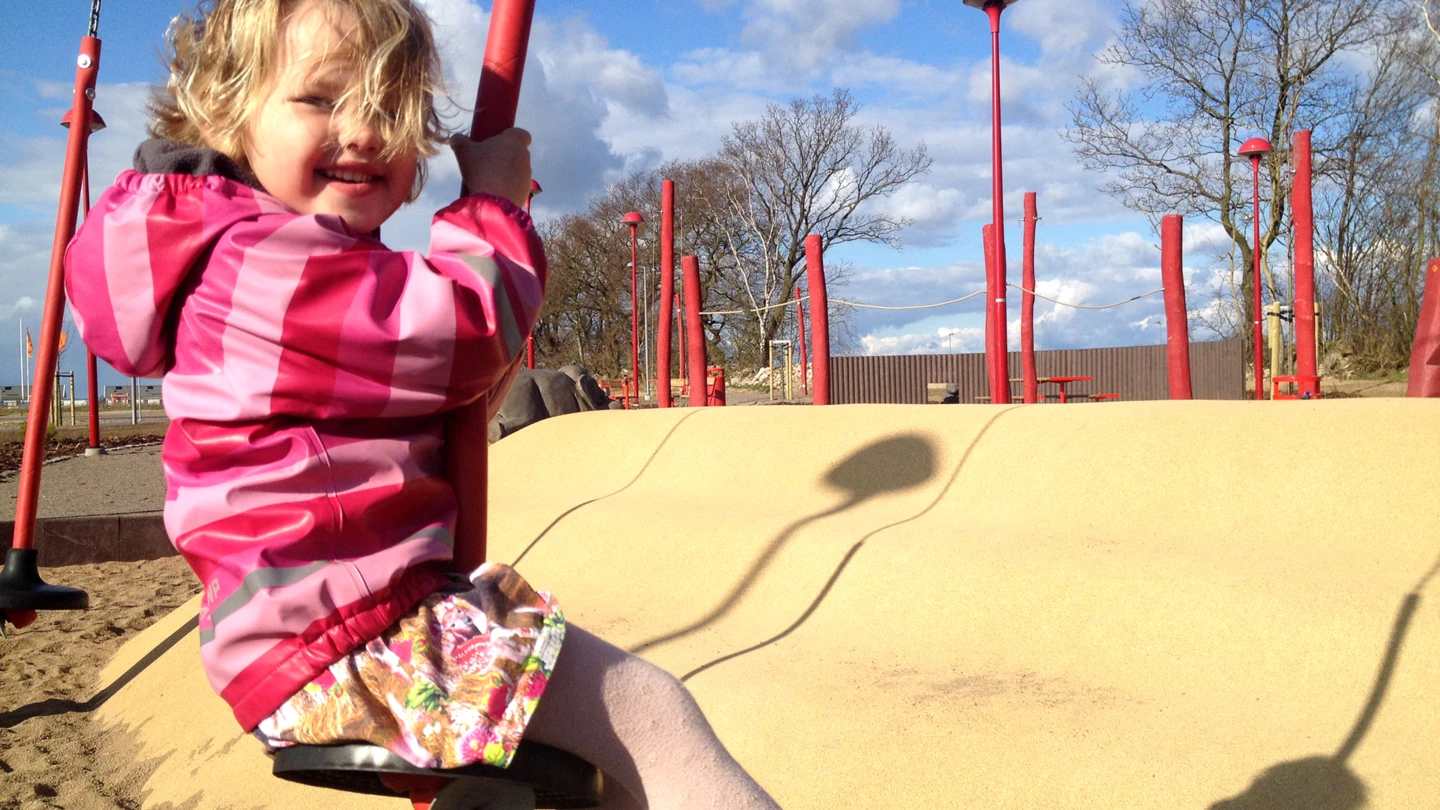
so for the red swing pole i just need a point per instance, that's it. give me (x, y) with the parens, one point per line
(467, 446)
(22, 591)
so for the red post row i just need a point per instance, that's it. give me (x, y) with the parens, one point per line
(819, 318)
(1177, 327)
(690, 270)
(1027, 305)
(667, 292)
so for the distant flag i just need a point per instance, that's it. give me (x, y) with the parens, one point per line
(29, 345)
(63, 335)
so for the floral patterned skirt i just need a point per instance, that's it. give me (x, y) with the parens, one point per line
(452, 683)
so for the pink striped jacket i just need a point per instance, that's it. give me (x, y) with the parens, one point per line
(306, 371)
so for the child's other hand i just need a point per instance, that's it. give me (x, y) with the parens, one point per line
(498, 165)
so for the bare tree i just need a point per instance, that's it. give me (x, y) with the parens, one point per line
(805, 168)
(1216, 72)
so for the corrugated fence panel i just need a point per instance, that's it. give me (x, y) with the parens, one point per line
(1217, 371)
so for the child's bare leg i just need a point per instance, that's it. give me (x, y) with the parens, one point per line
(639, 725)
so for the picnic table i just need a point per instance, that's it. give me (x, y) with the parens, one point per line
(1060, 381)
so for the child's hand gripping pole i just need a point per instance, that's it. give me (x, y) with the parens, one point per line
(466, 444)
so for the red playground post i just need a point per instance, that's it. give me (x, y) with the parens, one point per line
(1177, 327)
(1306, 367)
(466, 440)
(690, 269)
(667, 292)
(1425, 356)
(819, 318)
(800, 324)
(1027, 305)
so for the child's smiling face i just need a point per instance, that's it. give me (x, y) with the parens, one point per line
(305, 153)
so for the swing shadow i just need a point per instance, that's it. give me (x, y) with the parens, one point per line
(577, 507)
(1326, 782)
(854, 549)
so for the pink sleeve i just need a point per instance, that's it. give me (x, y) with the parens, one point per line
(356, 330)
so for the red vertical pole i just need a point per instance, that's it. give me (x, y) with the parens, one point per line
(667, 291)
(1301, 205)
(819, 318)
(1258, 306)
(467, 443)
(634, 317)
(1177, 327)
(28, 497)
(1027, 305)
(1425, 356)
(991, 353)
(530, 339)
(690, 269)
(1000, 389)
(800, 323)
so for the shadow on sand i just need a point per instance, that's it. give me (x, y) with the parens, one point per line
(1327, 782)
(860, 476)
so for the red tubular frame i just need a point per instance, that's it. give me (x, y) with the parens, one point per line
(1027, 305)
(466, 429)
(800, 322)
(28, 498)
(1177, 327)
(667, 293)
(1425, 356)
(690, 269)
(1258, 307)
(634, 314)
(1301, 204)
(819, 318)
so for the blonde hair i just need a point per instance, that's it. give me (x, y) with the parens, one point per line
(225, 56)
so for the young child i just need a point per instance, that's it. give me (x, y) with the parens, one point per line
(308, 370)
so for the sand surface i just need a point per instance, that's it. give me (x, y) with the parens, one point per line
(900, 606)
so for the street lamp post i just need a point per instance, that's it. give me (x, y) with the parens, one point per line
(92, 405)
(530, 340)
(634, 220)
(1254, 149)
(1000, 368)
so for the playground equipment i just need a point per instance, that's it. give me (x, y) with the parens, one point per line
(1307, 310)
(819, 318)
(800, 327)
(1027, 305)
(667, 292)
(93, 393)
(1177, 326)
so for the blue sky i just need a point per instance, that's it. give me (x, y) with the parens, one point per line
(611, 88)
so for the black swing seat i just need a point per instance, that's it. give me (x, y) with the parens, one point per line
(558, 779)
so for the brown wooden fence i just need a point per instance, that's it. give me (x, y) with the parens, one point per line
(1217, 371)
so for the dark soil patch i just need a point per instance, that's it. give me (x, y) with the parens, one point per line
(74, 441)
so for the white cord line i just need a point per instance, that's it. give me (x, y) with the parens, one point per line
(928, 306)
(1087, 306)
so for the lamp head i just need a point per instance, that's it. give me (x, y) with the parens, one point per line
(633, 219)
(534, 187)
(96, 122)
(1254, 148)
(981, 4)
